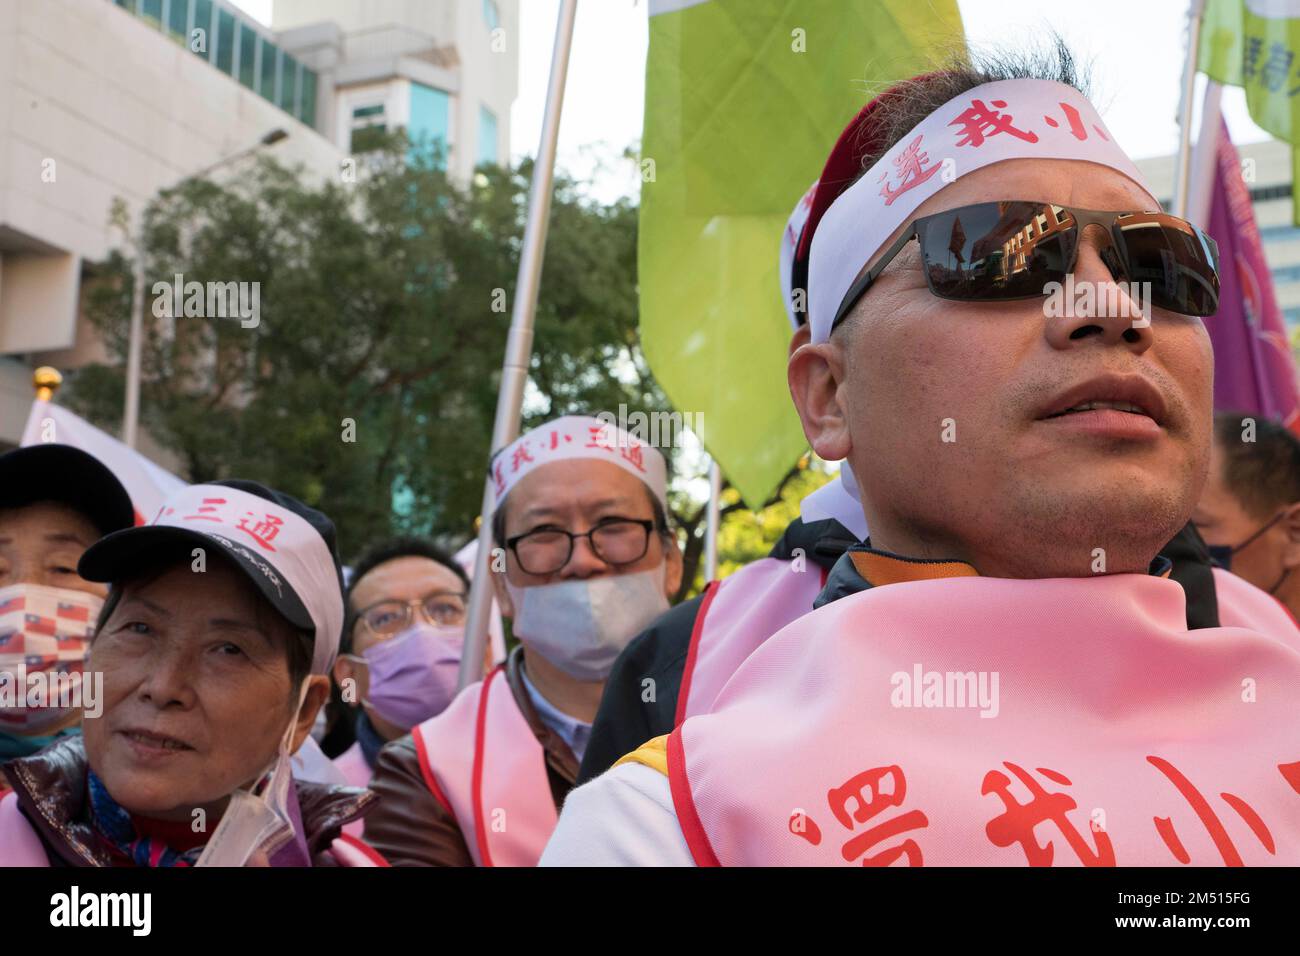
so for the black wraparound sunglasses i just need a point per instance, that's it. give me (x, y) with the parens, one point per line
(1011, 249)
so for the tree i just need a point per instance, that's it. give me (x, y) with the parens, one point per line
(384, 306)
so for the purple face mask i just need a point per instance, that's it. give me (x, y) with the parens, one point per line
(413, 675)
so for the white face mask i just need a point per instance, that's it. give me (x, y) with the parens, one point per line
(581, 626)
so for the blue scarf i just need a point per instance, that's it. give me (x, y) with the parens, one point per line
(114, 824)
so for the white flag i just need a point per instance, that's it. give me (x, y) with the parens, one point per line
(146, 483)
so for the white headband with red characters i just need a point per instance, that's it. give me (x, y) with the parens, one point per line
(279, 543)
(579, 437)
(1008, 119)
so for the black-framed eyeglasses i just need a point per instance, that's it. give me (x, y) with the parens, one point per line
(615, 541)
(1011, 249)
(392, 616)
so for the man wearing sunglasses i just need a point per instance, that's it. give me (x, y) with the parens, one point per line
(1005, 675)
(1249, 512)
(584, 561)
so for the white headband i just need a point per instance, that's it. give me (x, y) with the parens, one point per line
(579, 437)
(1009, 119)
(276, 541)
(789, 246)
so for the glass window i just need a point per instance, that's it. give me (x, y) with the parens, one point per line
(178, 14)
(225, 59)
(151, 10)
(430, 126)
(270, 60)
(288, 84)
(307, 109)
(247, 54)
(487, 136)
(202, 46)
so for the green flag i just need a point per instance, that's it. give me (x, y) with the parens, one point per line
(1261, 55)
(744, 99)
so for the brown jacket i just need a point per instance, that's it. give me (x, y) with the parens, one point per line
(411, 828)
(50, 787)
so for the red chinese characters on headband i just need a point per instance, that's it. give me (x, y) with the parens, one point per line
(262, 528)
(979, 122)
(859, 799)
(910, 172)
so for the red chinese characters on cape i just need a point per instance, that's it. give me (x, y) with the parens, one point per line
(859, 799)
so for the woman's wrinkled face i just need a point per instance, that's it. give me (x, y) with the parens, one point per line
(942, 406)
(197, 691)
(41, 544)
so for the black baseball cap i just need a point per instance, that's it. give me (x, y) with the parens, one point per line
(69, 476)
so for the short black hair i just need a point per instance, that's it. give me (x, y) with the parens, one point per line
(1264, 474)
(406, 546)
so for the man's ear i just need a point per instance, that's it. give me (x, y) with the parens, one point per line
(318, 691)
(672, 569)
(1291, 524)
(815, 374)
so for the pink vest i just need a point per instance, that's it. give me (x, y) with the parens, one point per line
(1241, 604)
(738, 614)
(1115, 736)
(352, 764)
(20, 846)
(482, 762)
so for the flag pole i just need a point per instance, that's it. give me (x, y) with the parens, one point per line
(1182, 168)
(519, 344)
(711, 522)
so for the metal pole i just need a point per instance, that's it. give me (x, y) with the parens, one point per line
(131, 411)
(1182, 168)
(711, 523)
(135, 344)
(1205, 156)
(519, 344)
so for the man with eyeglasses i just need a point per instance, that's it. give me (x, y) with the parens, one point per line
(1005, 675)
(1249, 512)
(402, 638)
(585, 560)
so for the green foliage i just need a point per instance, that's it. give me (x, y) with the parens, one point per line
(384, 301)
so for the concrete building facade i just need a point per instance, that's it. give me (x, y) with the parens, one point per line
(104, 100)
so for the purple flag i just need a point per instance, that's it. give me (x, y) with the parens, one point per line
(1253, 368)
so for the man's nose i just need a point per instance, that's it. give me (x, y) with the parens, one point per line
(583, 562)
(1098, 304)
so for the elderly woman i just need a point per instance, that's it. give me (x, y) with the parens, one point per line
(1010, 636)
(213, 648)
(55, 502)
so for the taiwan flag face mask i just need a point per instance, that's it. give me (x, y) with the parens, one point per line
(44, 637)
